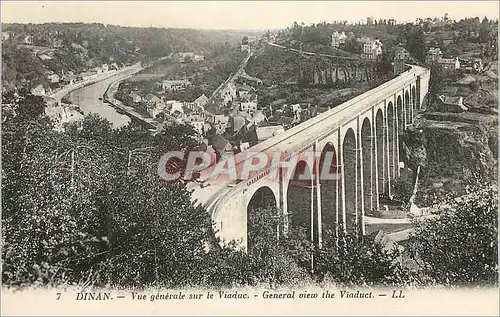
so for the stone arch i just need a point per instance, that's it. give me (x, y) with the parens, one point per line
(414, 99)
(408, 108)
(400, 115)
(263, 199)
(330, 190)
(352, 182)
(300, 200)
(367, 145)
(391, 130)
(381, 156)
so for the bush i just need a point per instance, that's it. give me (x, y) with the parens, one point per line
(460, 246)
(359, 261)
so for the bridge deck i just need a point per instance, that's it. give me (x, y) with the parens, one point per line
(304, 133)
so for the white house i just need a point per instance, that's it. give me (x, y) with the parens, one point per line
(338, 38)
(38, 91)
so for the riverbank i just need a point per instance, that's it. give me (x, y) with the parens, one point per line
(58, 95)
(130, 111)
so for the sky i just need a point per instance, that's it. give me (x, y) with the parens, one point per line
(235, 14)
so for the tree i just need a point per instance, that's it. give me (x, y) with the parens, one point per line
(360, 261)
(86, 204)
(460, 245)
(415, 43)
(484, 31)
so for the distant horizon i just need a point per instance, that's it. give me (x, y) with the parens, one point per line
(246, 16)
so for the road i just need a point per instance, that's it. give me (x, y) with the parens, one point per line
(235, 75)
(59, 94)
(357, 58)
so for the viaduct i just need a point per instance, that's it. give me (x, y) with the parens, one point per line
(362, 136)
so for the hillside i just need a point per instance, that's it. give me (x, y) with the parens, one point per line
(32, 50)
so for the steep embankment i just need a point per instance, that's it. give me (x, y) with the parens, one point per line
(456, 148)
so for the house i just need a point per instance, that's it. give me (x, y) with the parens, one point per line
(57, 43)
(173, 85)
(237, 122)
(113, 66)
(372, 48)
(174, 105)
(220, 145)
(5, 35)
(28, 40)
(245, 48)
(201, 100)
(196, 122)
(104, 68)
(400, 58)
(134, 97)
(260, 134)
(88, 75)
(449, 63)
(219, 123)
(451, 104)
(256, 117)
(183, 57)
(248, 107)
(433, 55)
(154, 105)
(53, 78)
(38, 91)
(244, 146)
(228, 93)
(68, 79)
(151, 99)
(338, 38)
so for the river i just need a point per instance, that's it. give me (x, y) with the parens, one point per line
(87, 98)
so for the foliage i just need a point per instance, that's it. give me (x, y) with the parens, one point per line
(86, 205)
(415, 42)
(460, 246)
(81, 46)
(358, 260)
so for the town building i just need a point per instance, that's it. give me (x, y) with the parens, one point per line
(228, 93)
(186, 56)
(53, 78)
(451, 104)
(372, 48)
(400, 57)
(173, 85)
(154, 105)
(338, 39)
(201, 100)
(248, 107)
(245, 48)
(433, 55)
(134, 97)
(219, 122)
(38, 91)
(449, 63)
(173, 106)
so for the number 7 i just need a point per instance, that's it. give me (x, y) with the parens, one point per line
(58, 296)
